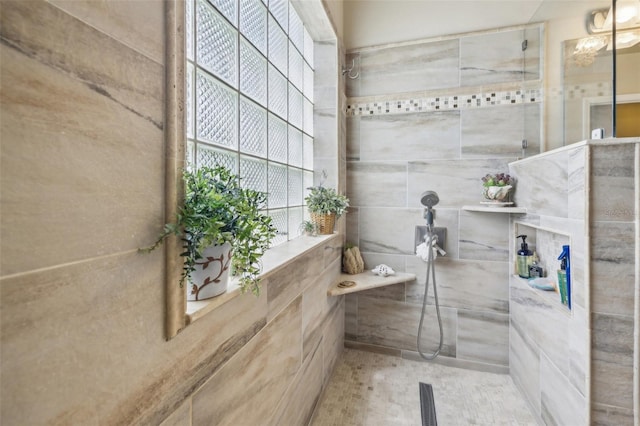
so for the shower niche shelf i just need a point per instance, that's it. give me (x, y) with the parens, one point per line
(366, 281)
(489, 209)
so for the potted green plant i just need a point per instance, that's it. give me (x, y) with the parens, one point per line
(496, 188)
(308, 228)
(220, 224)
(325, 206)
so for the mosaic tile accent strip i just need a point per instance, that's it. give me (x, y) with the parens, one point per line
(445, 103)
(579, 91)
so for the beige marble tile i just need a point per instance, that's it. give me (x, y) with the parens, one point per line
(316, 305)
(409, 68)
(473, 285)
(415, 136)
(325, 92)
(577, 181)
(548, 196)
(524, 367)
(612, 181)
(484, 236)
(353, 226)
(455, 190)
(395, 324)
(325, 125)
(612, 360)
(606, 415)
(389, 292)
(332, 338)
(66, 167)
(332, 258)
(543, 319)
(579, 349)
(388, 230)
(533, 129)
(300, 399)
(491, 58)
(351, 316)
(180, 417)
(353, 138)
(561, 403)
(137, 24)
(56, 325)
(483, 337)
(105, 65)
(498, 131)
(287, 283)
(534, 54)
(266, 365)
(612, 267)
(377, 184)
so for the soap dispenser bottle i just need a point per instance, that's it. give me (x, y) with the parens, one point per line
(525, 258)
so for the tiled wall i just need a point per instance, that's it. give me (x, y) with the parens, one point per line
(82, 311)
(587, 192)
(614, 225)
(437, 115)
(549, 345)
(272, 372)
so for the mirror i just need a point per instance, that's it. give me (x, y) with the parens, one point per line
(579, 72)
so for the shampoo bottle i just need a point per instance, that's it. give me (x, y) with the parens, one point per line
(525, 258)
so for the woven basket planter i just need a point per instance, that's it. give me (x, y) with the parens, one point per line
(324, 222)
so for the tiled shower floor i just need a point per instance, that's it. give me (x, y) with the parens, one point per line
(372, 389)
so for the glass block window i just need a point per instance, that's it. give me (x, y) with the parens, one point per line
(217, 44)
(249, 100)
(253, 73)
(253, 23)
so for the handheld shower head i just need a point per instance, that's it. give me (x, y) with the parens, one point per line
(429, 199)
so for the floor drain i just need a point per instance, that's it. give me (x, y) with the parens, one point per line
(427, 405)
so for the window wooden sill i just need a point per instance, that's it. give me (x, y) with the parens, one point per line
(273, 260)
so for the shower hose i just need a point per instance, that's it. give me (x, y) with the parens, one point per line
(431, 269)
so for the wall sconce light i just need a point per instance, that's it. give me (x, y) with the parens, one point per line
(627, 17)
(599, 24)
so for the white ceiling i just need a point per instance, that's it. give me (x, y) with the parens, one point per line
(374, 22)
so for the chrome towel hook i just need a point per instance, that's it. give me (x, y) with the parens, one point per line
(348, 71)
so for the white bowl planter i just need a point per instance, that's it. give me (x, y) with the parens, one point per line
(496, 193)
(211, 274)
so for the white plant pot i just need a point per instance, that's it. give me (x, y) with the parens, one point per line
(211, 275)
(496, 193)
